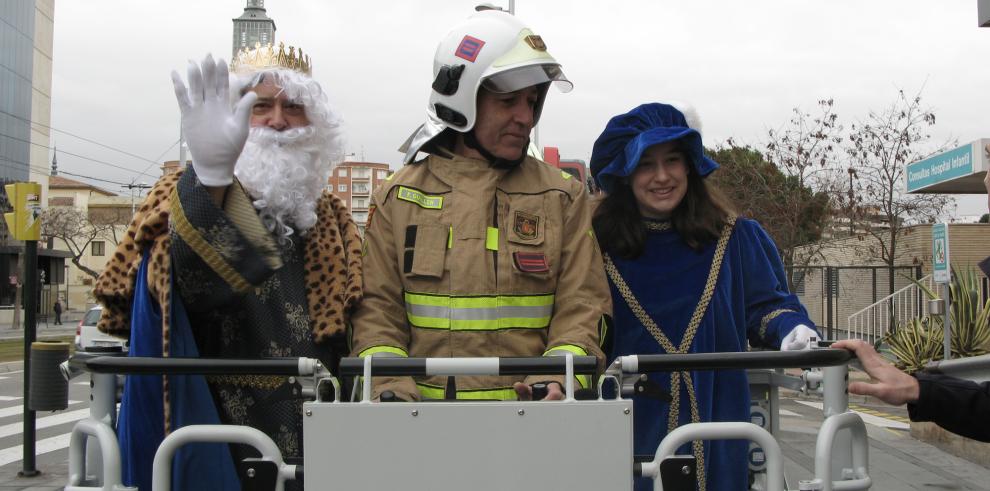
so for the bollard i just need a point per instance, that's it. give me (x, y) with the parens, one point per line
(49, 389)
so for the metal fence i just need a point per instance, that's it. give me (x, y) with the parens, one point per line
(831, 293)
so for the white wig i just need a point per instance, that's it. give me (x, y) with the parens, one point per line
(285, 172)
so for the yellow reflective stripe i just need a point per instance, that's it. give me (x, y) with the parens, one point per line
(428, 322)
(415, 196)
(577, 350)
(432, 392)
(566, 175)
(584, 380)
(491, 239)
(539, 300)
(450, 237)
(479, 313)
(502, 323)
(383, 349)
(420, 299)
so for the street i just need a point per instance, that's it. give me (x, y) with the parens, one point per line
(897, 461)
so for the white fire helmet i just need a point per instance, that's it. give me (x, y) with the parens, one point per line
(491, 49)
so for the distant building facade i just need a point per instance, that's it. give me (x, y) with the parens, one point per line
(100, 207)
(26, 28)
(354, 182)
(252, 28)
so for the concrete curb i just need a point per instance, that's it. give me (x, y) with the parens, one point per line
(11, 366)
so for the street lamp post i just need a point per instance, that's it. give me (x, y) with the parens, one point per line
(131, 187)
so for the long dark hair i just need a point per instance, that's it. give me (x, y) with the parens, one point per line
(698, 218)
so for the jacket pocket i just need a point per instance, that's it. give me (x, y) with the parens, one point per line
(425, 249)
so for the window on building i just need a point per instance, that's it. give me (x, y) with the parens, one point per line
(382, 174)
(360, 188)
(98, 248)
(342, 188)
(342, 172)
(360, 216)
(362, 172)
(359, 203)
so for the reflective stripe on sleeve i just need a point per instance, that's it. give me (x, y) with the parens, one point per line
(383, 349)
(584, 380)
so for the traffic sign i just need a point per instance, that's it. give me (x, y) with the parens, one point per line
(24, 222)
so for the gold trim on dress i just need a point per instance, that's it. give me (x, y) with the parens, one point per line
(677, 378)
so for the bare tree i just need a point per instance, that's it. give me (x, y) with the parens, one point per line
(808, 147)
(808, 150)
(880, 147)
(112, 220)
(74, 228)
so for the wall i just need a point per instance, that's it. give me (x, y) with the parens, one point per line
(857, 288)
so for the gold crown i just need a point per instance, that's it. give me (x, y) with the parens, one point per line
(266, 58)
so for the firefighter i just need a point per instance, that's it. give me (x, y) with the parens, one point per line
(480, 249)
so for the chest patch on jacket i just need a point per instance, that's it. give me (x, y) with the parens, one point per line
(526, 226)
(415, 196)
(530, 262)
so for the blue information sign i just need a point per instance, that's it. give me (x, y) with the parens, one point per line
(940, 252)
(940, 168)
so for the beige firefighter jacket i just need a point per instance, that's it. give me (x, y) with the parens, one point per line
(462, 260)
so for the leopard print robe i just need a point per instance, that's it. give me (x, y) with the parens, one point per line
(332, 254)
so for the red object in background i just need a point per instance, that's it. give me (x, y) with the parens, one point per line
(551, 155)
(575, 167)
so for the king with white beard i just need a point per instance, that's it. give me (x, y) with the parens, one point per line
(245, 254)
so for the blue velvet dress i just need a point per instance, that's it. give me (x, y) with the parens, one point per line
(750, 302)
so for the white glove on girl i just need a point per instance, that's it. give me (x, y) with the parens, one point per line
(800, 338)
(214, 131)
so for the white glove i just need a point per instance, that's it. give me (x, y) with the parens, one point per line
(214, 131)
(800, 338)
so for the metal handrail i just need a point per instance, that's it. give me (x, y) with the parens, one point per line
(874, 320)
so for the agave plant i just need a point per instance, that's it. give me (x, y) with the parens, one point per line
(970, 327)
(915, 343)
(919, 341)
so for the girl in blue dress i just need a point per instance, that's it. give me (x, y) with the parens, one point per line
(687, 276)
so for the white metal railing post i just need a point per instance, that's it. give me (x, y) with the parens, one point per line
(875, 319)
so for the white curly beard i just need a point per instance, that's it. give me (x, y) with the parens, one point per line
(285, 173)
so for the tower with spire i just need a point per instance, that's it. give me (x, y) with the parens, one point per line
(252, 27)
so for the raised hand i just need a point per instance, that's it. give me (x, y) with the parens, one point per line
(214, 131)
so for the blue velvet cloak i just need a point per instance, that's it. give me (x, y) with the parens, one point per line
(140, 429)
(750, 302)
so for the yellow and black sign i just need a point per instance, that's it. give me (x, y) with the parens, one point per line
(24, 222)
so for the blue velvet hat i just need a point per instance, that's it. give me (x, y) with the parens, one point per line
(618, 149)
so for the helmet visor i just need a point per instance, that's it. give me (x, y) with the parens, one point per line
(527, 76)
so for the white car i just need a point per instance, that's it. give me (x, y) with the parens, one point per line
(88, 336)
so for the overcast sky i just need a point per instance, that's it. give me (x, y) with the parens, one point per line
(743, 64)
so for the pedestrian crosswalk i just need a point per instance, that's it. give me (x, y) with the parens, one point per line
(52, 429)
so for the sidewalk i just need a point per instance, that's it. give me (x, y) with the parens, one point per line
(45, 330)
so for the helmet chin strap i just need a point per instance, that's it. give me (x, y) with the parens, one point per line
(497, 162)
